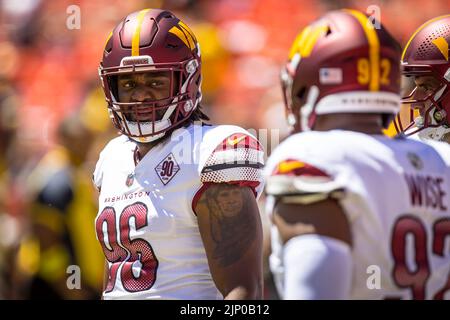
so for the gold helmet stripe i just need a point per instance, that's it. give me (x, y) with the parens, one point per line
(374, 48)
(135, 42)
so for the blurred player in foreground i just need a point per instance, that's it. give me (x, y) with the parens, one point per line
(357, 215)
(178, 217)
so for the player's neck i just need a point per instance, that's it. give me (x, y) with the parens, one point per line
(362, 128)
(143, 148)
(368, 124)
(356, 128)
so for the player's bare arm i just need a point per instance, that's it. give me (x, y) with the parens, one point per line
(231, 231)
(324, 218)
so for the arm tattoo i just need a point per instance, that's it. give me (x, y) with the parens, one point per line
(233, 225)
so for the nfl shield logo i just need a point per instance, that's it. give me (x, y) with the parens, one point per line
(130, 180)
(415, 160)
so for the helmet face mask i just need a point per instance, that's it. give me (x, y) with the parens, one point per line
(286, 87)
(144, 119)
(426, 66)
(424, 99)
(164, 48)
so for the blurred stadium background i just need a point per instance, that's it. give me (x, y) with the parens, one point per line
(53, 119)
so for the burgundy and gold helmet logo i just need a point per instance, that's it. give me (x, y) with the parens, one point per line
(442, 45)
(185, 34)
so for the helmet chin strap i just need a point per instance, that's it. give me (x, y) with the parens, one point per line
(147, 127)
(438, 94)
(433, 133)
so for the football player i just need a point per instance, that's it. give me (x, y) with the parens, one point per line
(356, 214)
(178, 217)
(426, 68)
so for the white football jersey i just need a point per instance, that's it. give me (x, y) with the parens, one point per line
(146, 222)
(396, 196)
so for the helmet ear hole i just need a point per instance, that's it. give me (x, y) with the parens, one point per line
(301, 93)
(299, 97)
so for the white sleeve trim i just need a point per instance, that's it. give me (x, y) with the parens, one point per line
(304, 190)
(212, 138)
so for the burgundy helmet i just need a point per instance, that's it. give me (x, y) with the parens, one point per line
(341, 63)
(427, 54)
(152, 40)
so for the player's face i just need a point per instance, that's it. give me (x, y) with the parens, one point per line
(144, 87)
(230, 201)
(425, 86)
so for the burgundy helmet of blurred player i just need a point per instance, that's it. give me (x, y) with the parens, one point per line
(152, 40)
(344, 62)
(427, 54)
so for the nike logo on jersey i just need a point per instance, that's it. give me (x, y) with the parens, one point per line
(234, 142)
(239, 140)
